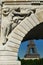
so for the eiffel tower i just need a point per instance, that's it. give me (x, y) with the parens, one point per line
(31, 51)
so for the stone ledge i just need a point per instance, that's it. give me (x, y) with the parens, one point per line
(10, 63)
(22, 2)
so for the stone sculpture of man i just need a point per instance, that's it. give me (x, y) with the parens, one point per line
(7, 21)
(10, 19)
(5, 25)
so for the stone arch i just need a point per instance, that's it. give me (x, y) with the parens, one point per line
(34, 33)
(10, 50)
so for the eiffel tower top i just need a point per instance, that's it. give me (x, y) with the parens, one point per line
(31, 43)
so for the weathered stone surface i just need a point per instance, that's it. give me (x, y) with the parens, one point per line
(40, 16)
(9, 52)
(10, 63)
(8, 58)
(14, 40)
(35, 19)
(4, 53)
(16, 36)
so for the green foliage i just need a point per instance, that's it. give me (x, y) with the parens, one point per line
(32, 62)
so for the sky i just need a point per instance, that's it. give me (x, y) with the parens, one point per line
(23, 48)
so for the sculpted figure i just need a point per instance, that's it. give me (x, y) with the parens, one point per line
(16, 19)
(10, 19)
(5, 25)
(18, 16)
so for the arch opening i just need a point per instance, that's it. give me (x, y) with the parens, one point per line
(23, 48)
(35, 33)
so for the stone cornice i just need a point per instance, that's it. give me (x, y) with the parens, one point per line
(22, 2)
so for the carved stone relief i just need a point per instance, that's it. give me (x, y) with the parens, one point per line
(11, 18)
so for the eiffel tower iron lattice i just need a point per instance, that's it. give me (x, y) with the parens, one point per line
(31, 51)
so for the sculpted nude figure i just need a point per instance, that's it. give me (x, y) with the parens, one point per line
(10, 19)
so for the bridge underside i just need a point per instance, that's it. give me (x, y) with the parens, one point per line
(35, 33)
(29, 28)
